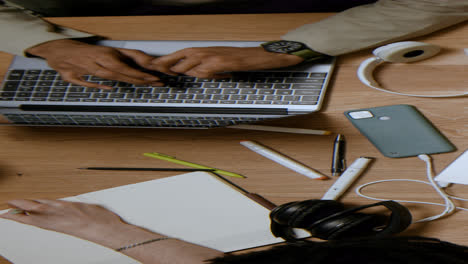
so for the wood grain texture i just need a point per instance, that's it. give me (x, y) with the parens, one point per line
(42, 162)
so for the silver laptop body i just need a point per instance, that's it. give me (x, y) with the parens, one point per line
(32, 94)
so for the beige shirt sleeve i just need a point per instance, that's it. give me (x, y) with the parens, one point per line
(20, 31)
(384, 22)
(354, 29)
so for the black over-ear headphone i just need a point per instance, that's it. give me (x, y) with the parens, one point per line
(328, 219)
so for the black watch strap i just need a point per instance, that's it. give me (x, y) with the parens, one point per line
(293, 48)
(308, 54)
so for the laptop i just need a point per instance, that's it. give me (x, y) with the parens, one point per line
(33, 94)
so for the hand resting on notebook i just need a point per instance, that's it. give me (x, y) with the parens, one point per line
(99, 225)
(73, 59)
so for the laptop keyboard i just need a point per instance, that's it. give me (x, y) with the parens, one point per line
(274, 87)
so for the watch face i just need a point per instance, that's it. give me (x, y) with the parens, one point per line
(284, 46)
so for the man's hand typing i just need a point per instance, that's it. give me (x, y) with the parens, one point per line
(214, 62)
(74, 59)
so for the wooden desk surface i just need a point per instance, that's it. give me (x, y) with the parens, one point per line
(42, 162)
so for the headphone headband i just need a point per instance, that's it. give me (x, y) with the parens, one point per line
(400, 52)
(400, 217)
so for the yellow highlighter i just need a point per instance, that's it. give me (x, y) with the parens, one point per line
(190, 164)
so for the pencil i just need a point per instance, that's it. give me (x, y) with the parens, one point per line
(282, 129)
(143, 169)
(190, 164)
(256, 197)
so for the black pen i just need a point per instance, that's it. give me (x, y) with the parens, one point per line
(338, 160)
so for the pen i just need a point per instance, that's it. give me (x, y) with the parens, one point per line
(283, 160)
(282, 129)
(347, 178)
(190, 164)
(338, 159)
(143, 169)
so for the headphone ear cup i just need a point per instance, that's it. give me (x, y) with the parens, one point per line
(299, 215)
(294, 212)
(281, 214)
(280, 218)
(406, 51)
(311, 214)
(349, 226)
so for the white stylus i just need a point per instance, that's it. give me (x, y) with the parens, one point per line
(283, 160)
(347, 178)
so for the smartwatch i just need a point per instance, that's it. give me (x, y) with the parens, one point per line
(293, 48)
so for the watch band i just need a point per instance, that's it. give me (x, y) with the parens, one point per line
(304, 52)
(308, 54)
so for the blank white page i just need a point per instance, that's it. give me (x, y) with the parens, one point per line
(196, 207)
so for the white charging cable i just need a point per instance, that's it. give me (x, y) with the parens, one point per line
(448, 203)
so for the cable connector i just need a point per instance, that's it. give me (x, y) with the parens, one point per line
(424, 157)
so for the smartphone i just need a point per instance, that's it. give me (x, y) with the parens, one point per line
(399, 131)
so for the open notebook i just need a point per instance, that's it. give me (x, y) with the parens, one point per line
(197, 207)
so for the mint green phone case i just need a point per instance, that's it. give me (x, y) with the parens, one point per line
(399, 131)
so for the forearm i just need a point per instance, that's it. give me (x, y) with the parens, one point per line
(167, 251)
(20, 31)
(376, 24)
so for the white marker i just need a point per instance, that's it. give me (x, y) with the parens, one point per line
(283, 160)
(347, 178)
